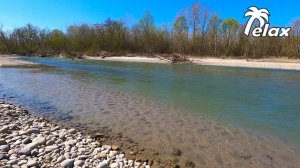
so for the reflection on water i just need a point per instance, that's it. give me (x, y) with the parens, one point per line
(168, 106)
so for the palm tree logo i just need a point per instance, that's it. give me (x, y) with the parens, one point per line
(262, 15)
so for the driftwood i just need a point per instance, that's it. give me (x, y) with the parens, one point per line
(175, 58)
(163, 58)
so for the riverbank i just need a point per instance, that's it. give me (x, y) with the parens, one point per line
(11, 61)
(31, 141)
(129, 59)
(278, 63)
(269, 63)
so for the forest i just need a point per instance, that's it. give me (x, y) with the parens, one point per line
(196, 31)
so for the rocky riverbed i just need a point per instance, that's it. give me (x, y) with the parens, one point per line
(31, 141)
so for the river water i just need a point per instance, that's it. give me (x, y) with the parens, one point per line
(216, 116)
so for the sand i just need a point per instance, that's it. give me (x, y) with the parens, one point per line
(281, 64)
(278, 63)
(7, 60)
(129, 59)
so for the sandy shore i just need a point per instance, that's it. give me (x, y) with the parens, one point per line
(7, 60)
(129, 59)
(283, 64)
(279, 63)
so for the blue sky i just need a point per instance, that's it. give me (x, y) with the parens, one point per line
(60, 13)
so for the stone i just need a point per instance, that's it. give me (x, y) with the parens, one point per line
(70, 142)
(83, 157)
(2, 142)
(74, 155)
(51, 148)
(112, 153)
(67, 163)
(34, 152)
(96, 157)
(21, 162)
(106, 147)
(114, 147)
(79, 163)
(32, 163)
(72, 131)
(67, 155)
(102, 164)
(50, 142)
(62, 135)
(3, 156)
(26, 150)
(121, 156)
(102, 154)
(26, 140)
(60, 159)
(114, 165)
(24, 166)
(134, 152)
(55, 128)
(12, 162)
(4, 129)
(4, 148)
(29, 131)
(39, 140)
(99, 135)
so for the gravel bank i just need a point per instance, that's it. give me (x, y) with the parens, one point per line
(30, 141)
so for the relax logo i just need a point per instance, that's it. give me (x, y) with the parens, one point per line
(263, 29)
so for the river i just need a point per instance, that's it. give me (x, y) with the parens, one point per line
(215, 116)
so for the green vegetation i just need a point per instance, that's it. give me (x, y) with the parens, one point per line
(197, 32)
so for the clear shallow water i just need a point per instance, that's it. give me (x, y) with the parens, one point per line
(164, 105)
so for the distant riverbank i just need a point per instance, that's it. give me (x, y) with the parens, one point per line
(270, 63)
(281, 63)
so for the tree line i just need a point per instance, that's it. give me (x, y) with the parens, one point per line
(197, 32)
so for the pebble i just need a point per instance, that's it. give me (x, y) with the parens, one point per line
(60, 159)
(102, 164)
(29, 131)
(21, 162)
(3, 156)
(114, 147)
(112, 153)
(72, 131)
(32, 163)
(14, 161)
(79, 163)
(4, 148)
(113, 165)
(27, 141)
(67, 163)
(4, 129)
(26, 150)
(2, 142)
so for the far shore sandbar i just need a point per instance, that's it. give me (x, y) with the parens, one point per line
(269, 63)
